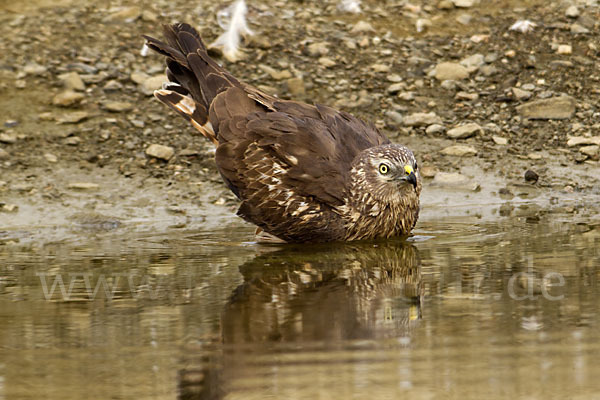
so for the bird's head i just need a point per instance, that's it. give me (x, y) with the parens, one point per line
(388, 173)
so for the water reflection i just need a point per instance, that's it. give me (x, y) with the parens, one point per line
(345, 292)
(207, 315)
(322, 294)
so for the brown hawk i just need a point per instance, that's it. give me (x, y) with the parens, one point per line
(303, 173)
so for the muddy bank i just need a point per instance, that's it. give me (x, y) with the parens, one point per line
(480, 105)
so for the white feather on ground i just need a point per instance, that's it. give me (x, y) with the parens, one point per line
(422, 24)
(523, 25)
(229, 41)
(352, 6)
(144, 50)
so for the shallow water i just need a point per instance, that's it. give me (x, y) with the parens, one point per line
(475, 309)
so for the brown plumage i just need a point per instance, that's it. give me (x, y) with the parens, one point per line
(303, 173)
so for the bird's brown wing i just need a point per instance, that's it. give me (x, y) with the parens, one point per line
(287, 161)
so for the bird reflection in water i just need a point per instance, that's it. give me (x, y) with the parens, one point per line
(310, 294)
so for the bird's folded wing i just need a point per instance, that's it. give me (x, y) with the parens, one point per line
(289, 164)
(288, 183)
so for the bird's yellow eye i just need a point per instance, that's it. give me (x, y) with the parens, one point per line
(383, 169)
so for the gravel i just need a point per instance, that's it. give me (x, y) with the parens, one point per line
(413, 86)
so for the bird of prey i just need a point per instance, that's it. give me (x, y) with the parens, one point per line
(303, 173)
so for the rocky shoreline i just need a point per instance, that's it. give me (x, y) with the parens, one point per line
(80, 132)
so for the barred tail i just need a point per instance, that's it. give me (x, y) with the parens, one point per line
(195, 78)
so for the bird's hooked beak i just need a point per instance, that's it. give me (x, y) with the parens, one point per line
(410, 176)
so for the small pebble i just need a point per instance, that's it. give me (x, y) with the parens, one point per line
(160, 151)
(9, 208)
(531, 176)
(473, 62)
(72, 140)
(8, 138)
(591, 151)
(464, 19)
(149, 16)
(34, 69)
(113, 85)
(124, 14)
(464, 131)
(407, 96)
(362, 26)
(318, 49)
(72, 81)
(464, 3)
(395, 116)
(274, 73)
(459, 150)
(67, 98)
(396, 87)
(83, 186)
(572, 12)
(449, 84)
(500, 140)
(117, 106)
(450, 71)
(72, 117)
(521, 94)
(528, 86)
(422, 119)
(577, 28)
(51, 158)
(327, 62)
(564, 49)
(150, 84)
(435, 128)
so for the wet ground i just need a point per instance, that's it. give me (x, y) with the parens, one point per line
(126, 276)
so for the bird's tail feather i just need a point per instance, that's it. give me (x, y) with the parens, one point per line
(195, 78)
